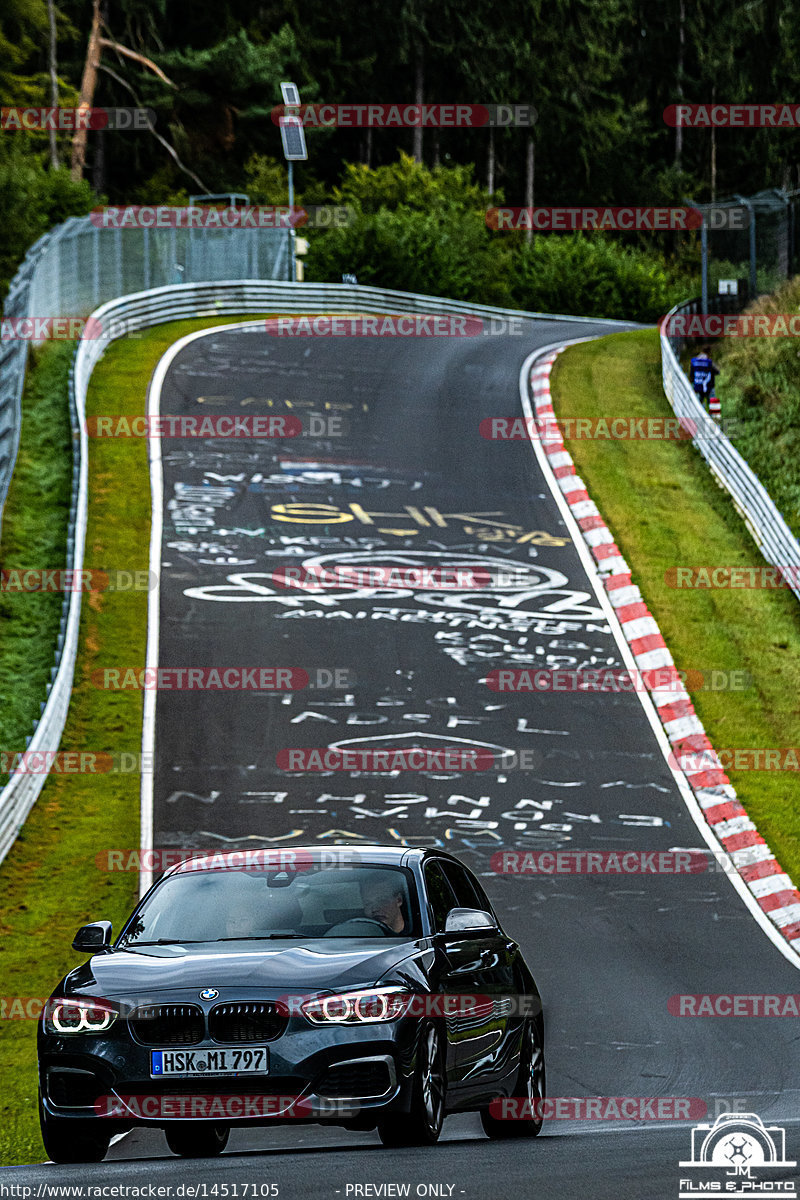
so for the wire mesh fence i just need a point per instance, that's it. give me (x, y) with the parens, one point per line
(754, 240)
(78, 266)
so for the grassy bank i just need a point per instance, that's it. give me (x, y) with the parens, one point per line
(760, 388)
(34, 537)
(49, 883)
(665, 510)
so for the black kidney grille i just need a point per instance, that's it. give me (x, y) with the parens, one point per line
(246, 1021)
(168, 1024)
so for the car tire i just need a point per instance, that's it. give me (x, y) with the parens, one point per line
(421, 1126)
(192, 1139)
(73, 1141)
(530, 1087)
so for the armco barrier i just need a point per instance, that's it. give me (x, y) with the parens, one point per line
(154, 307)
(77, 265)
(772, 535)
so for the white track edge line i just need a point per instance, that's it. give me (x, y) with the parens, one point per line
(692, 805)
(154, 598)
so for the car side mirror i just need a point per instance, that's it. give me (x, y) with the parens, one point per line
(468, 920)
(93, 938)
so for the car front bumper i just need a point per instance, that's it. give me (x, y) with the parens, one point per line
(316, 1073)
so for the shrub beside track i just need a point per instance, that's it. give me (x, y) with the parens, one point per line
(34, 536)
(759, 389)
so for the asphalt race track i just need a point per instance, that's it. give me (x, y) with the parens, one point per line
(403, 477)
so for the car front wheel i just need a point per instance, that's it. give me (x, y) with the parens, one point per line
(73, 1141)
(191, 1140)
(421, 1126)
(529, 1092)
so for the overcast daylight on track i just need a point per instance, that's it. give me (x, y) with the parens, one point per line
(399, 601)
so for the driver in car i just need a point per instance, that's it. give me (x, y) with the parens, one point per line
(383, 901)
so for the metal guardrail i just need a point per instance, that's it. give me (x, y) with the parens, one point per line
(138, 311)
(78, 265)
(210, 299)
(770, 532)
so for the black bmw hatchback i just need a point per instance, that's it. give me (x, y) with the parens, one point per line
(368, 987)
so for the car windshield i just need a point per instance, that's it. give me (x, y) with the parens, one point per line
(353, 901)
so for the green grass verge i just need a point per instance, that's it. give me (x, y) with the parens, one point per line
(34, 537)
(49, 883)
(665, 510)
(656, 497)
(759, 388)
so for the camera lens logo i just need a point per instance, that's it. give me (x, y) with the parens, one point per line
(741, 1151)
(731, 1155)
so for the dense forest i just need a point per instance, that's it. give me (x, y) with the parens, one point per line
(599, 75)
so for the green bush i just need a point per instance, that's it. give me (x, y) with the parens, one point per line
(421, 230)
(32, 200)
(760, 389)
(442, 254)
(595, 277)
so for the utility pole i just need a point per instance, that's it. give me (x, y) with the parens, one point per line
(293, 140)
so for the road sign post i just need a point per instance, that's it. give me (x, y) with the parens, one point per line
(293, 140)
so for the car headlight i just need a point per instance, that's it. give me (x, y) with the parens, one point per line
(370, 1007)
(79, 1016)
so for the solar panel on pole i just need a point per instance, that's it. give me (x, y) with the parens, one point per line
(291, 94)
(294, 139)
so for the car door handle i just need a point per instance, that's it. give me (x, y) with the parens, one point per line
(484, 954)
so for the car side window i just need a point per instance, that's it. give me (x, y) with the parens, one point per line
(467, 895)
(485, 903)
(440, 895)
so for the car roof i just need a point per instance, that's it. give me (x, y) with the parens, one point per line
(287, 857)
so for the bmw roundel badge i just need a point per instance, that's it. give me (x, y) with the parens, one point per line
(209, 994)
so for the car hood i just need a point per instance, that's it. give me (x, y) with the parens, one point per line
(322, 964)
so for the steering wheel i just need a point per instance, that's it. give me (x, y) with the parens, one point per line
(354, 926)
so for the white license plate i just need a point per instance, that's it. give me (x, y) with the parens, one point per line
(252, 1061)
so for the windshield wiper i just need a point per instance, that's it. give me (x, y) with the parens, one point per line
(260, 937)
(164, 942)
